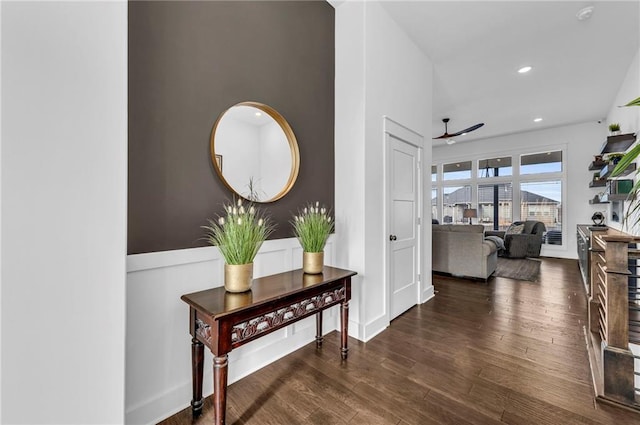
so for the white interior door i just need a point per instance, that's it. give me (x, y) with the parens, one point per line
(403, 222)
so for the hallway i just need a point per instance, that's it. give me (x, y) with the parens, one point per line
(505, 351)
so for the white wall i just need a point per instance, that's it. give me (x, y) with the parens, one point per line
(1, 214)
(379, 72)
(582, 142)
(349, 150)
(158, 348)
(64, 167)
(629, 119)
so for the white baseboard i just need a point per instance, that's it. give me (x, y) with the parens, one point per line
(374, 327)
(427, 294)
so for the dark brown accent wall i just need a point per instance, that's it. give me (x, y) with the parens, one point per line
(190, 61)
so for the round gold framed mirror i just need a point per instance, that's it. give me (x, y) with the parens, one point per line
(254, 151)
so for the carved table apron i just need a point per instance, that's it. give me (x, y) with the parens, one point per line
(223, 321)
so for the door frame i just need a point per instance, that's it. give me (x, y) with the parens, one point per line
(392, 128)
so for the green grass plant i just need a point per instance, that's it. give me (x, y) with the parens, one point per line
(312, 226)
(239, 234)
(634, 102)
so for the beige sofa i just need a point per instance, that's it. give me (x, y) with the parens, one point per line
(461, 250)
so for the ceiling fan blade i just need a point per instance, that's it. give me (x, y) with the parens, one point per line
(444, 136)
(467, 130)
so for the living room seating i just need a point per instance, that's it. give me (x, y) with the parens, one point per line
(522, 239)
(461, 250)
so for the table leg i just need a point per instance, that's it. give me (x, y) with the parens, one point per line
(319, 336)
(197, 364)
(344, 327)
(220, 388)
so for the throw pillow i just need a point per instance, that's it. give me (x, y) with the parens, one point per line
(515, 229)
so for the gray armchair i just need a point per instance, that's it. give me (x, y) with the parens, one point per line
(525, 244)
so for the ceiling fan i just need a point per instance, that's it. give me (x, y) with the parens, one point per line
(446, 135)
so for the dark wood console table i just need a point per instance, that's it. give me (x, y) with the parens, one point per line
(223, 321)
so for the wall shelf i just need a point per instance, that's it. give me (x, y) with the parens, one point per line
(619, 143)
(606, 171)
(598, 183)
(615, 197)
(596, 165)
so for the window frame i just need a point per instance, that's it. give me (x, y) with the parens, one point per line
(515, 179)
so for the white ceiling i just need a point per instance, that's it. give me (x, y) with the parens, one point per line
(477, 47)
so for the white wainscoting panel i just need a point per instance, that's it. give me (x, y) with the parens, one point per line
(158, 344)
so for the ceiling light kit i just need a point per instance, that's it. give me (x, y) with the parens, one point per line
(537, 119)
(525, 69)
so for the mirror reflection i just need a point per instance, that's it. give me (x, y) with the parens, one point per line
(254, 151)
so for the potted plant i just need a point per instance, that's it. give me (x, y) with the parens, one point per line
(312, 226)
(614, 158)
(614, 128)
(239, 235)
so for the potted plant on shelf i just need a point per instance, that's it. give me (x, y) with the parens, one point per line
(614, 128)
(239, 235)
(312, 226)
(614, 158)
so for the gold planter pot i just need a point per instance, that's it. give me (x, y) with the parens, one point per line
(312, 262)
(238, 277)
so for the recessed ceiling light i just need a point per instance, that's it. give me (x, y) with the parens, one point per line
(451, 142)
(258, 114)
(537, 119)
(525, 69)
(585, 13)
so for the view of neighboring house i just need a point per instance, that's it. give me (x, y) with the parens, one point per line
(532, 207)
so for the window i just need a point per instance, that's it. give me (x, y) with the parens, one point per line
(542, 201)
(503, 188)
(434, 203)
(537, 163)
(495, 167)
(457, 170)
(455, 201)
(495, 205)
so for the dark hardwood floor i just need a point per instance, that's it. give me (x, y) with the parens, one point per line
(505, 351)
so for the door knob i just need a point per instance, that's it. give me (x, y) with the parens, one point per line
(392, 237)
